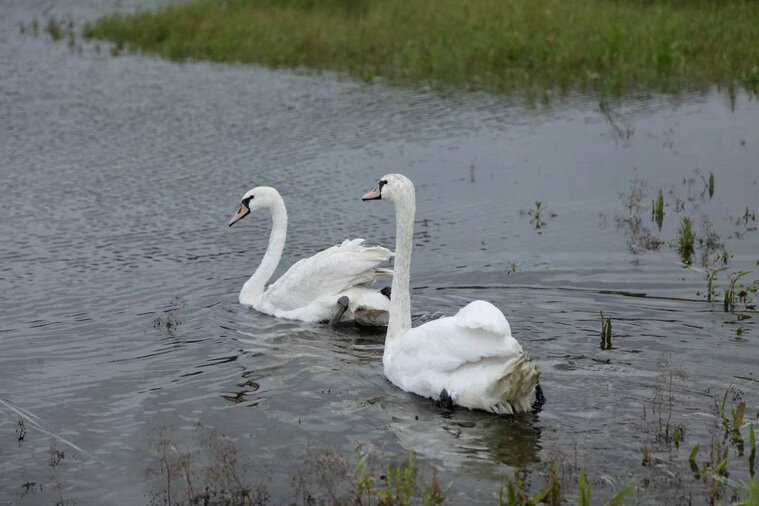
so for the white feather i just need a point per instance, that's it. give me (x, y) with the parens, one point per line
(471, 356)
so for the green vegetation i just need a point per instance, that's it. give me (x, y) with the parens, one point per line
(534, 215)
(541, 46)
(686, 239)
(739, 292)
(659, 210)
(605, 332)
(54, 29)
(711, 185)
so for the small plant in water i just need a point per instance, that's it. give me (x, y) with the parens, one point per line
(646, 456)
(214, 473)
(711, 185)
(605, 332)
(667, 432)
(20, 431)
(737, 415)
(639, 237)
(535, 215)
(752, 451)
(739, 293)
(56, 458)
(658, 210)
(517, 492)
(583, 498)
(685, 241)
(53, 29)
(692, 461)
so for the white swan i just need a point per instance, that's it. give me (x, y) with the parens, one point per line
(332, 285)
(469, 359)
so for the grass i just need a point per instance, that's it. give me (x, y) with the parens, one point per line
(535, 215)
(711, 185)
(206, 466)
(605, 332)
(54, 29)
(658, 208)
(686, 239)
(541, 46)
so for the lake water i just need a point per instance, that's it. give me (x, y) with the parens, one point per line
(119, 321)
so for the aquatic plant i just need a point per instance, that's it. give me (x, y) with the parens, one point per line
(214, 473)
(535, 215)
(517, 492)
(739, 292)
(711, 184)
(686, 239)
(646, 456)
(53, 28)
(737, 415)
(639, 237)
(752, 445)
(710, 277)
(692, 460)
(667, 430)
(605, 332)
(658, 209)
(543, 47)
(584, 493)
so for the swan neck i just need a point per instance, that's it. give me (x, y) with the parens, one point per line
(400, 301)
(254, 288)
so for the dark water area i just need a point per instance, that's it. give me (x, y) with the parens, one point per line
(119, 277)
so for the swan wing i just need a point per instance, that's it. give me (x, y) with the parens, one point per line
(472, 356)
(329, 272)
(479, 330)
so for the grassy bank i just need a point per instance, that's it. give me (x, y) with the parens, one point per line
(503, 45)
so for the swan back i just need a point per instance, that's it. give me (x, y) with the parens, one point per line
(328, 273)
(483, 315)
(472, 356)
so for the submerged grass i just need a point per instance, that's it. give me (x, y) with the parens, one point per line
(613, 46)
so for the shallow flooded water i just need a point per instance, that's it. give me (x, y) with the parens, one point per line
(119, 321)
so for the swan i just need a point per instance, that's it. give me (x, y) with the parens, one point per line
(469, 359)
(332, 285)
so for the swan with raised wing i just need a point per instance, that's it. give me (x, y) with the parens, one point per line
(469, 359)
(333, 285)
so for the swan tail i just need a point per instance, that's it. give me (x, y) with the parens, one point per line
(383, 272)
(380, 253)
(516, 386)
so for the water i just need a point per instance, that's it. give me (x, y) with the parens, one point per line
(120, 175)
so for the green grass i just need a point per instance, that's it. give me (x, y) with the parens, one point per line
(686, 240)
(542, 46)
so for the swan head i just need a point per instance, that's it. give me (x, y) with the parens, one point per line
(396, 188)
(257, 198)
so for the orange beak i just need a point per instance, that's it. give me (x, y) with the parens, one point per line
(240, 214)
(373, 195)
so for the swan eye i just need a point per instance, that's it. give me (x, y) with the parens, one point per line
(381, 184)
(246, 201)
